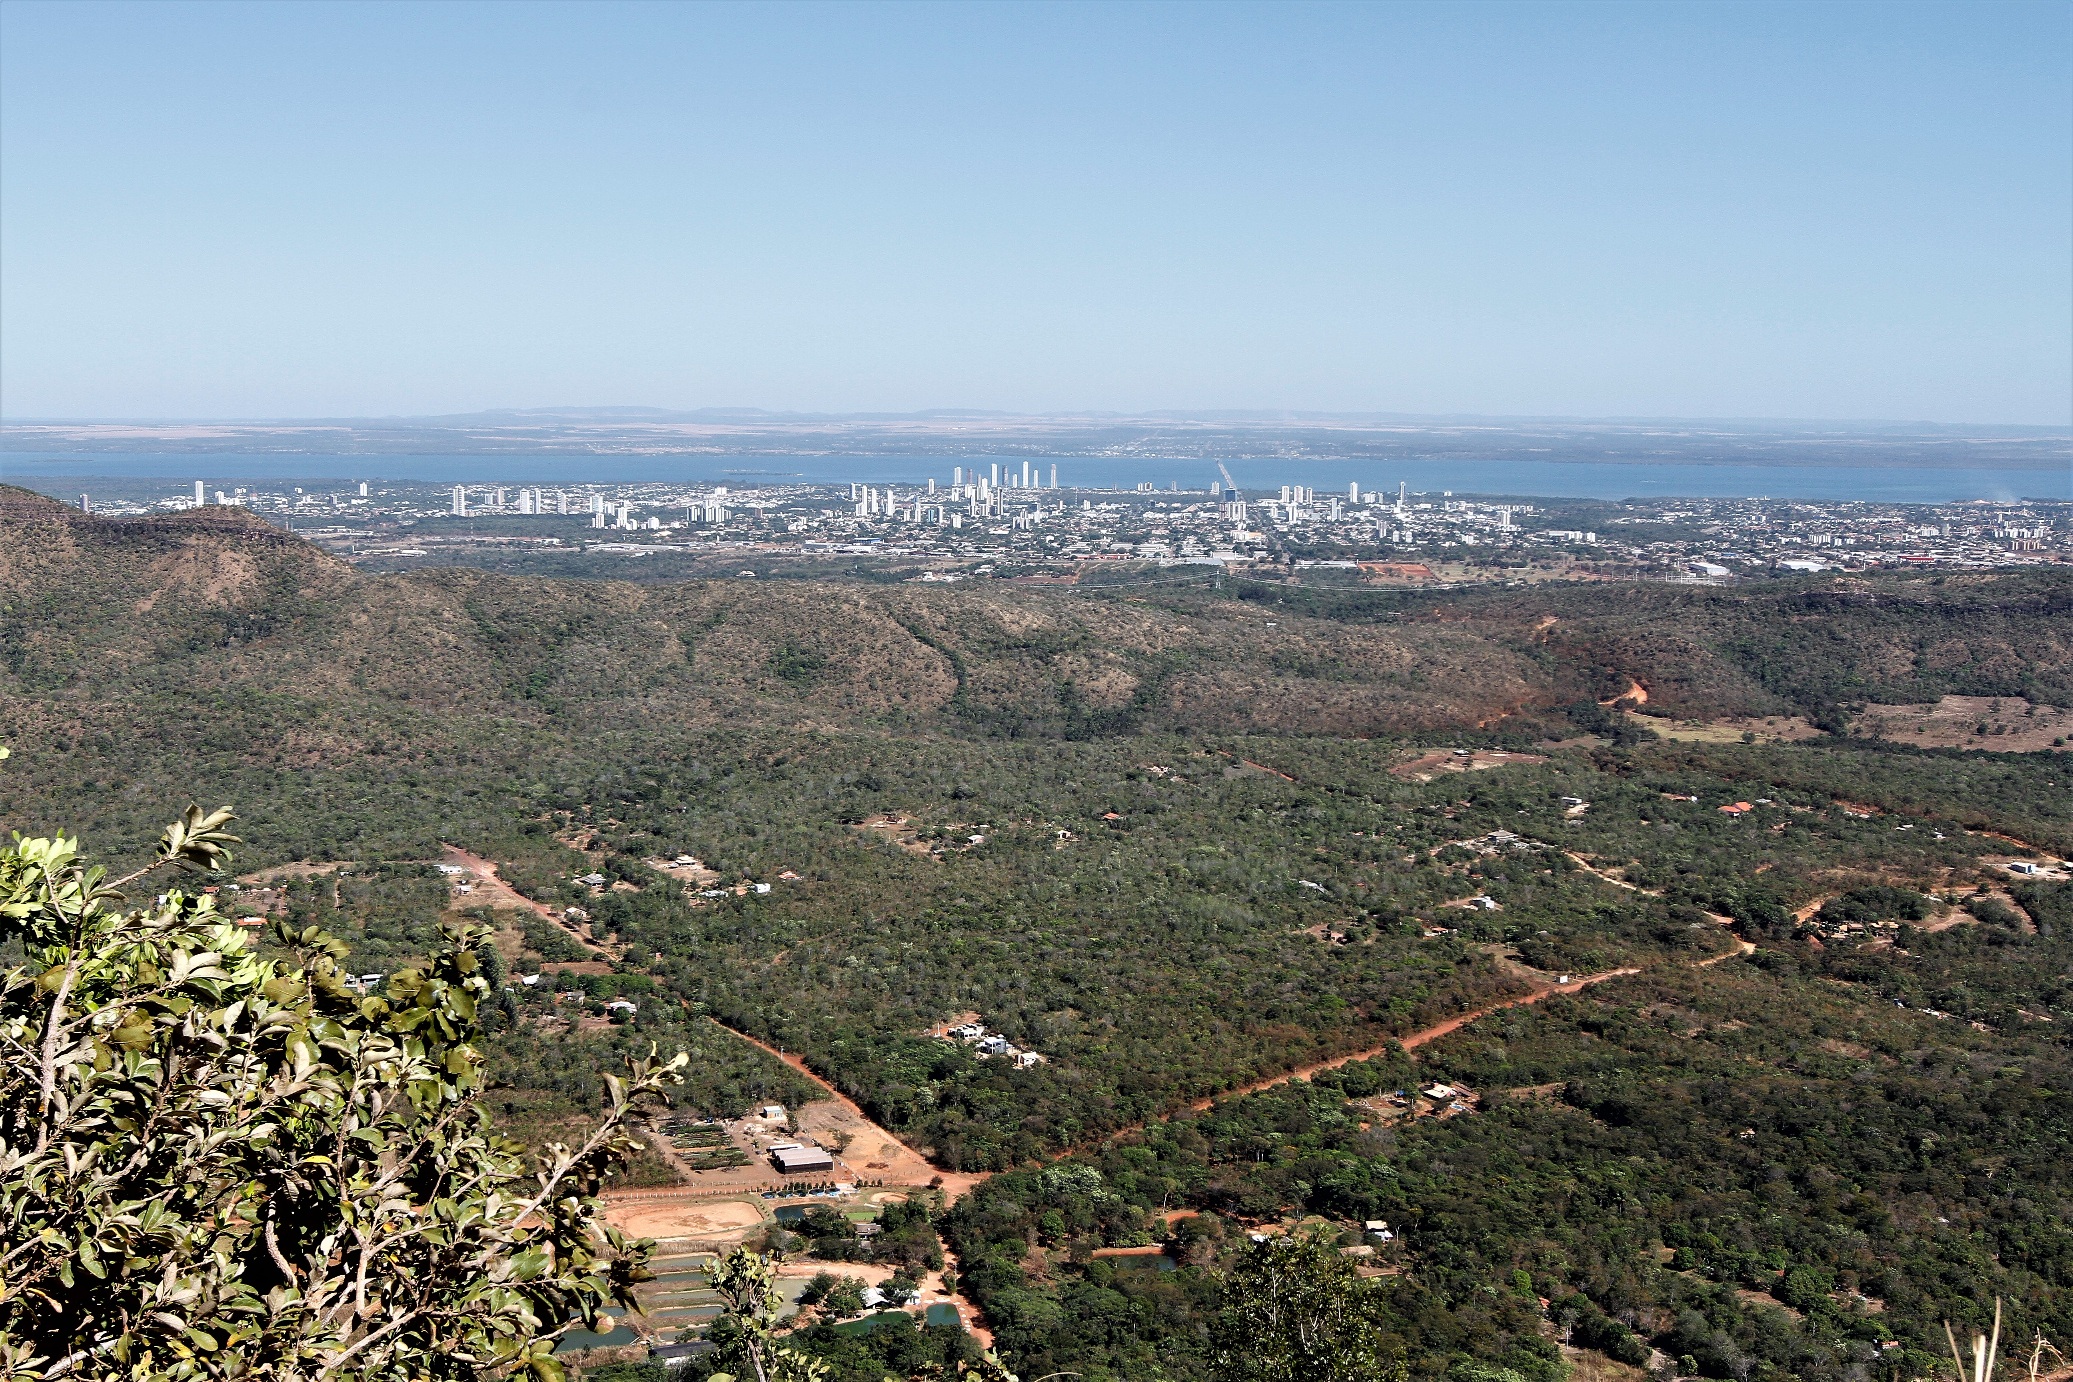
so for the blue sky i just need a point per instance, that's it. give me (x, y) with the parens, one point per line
(275, 210)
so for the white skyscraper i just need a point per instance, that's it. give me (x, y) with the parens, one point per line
(1353, 492)
(995, 469)
(363, 489)
(460, 502)
(198, 499)
(1054, 475)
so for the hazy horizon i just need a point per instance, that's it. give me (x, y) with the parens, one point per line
(608, 412)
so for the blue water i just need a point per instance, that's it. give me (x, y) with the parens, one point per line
(881, 1320)
(1553, 478)
(578, 1340)
(943, 1316)
(1159, 1262)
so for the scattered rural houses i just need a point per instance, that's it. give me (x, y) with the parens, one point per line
(1433, 1101)
(992, 1044)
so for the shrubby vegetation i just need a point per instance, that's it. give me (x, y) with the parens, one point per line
(1198, 866)
(1666, 1162)
(216, 1165)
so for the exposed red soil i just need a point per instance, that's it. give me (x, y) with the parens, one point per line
(1415, 1039)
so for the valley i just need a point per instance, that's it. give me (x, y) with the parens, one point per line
(1661, 874)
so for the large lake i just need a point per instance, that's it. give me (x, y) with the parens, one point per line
(1568, 479)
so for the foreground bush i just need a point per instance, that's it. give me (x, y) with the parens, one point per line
(218, 1164)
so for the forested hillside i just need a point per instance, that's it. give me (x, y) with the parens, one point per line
(1178, 845)
(1753, 1170)
(223, 597)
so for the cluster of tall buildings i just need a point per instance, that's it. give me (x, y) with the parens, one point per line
(1031, 477)
(497, 500)
(466, 502)
(971, 494)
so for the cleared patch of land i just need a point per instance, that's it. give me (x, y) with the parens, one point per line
(1731, 729)
(1429, 765)
(2003, 724)
(488, 889)
(716, 1219)
(281, 872)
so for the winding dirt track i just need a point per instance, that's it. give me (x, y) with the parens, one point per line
(1414, 1040)
(1602, 876)
(496, 891)
(955, 1183)
(1742, 947)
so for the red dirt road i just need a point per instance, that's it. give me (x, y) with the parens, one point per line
(496, 891)
(1415, 1039)
(955, 1183)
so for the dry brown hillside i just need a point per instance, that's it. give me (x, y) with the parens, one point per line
(220, 598)
(246, 604)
